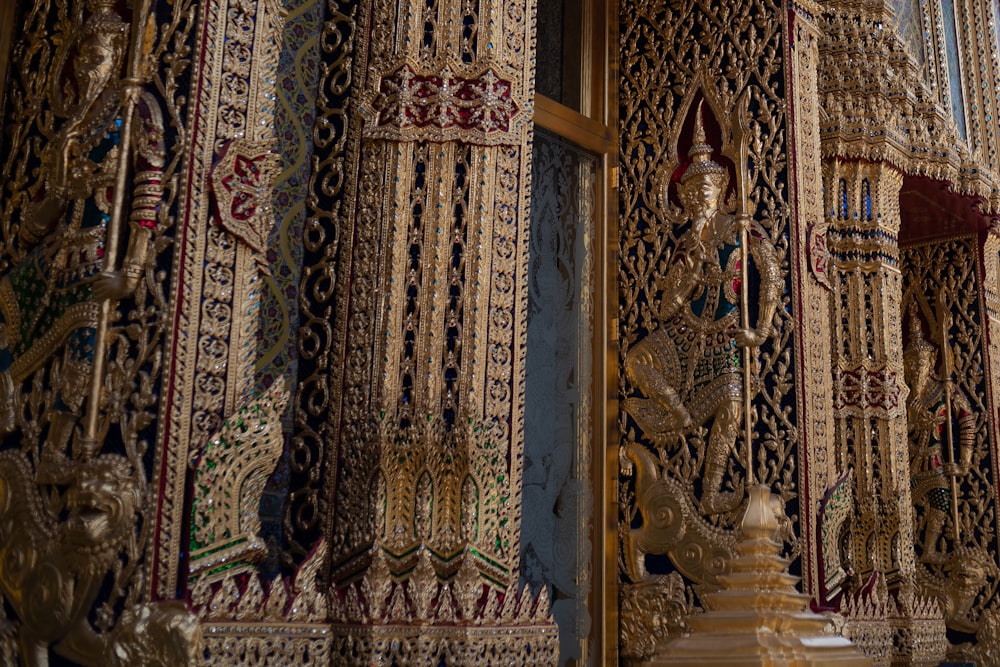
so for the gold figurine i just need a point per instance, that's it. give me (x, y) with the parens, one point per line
(928, 414)
(689, 369)
(50, 301)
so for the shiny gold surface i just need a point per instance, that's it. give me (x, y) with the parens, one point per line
(758, 617)
(756, 315)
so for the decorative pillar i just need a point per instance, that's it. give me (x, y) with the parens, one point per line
(217, 422)
(423, 488)
(882, 124)
(991, 330)
(862, 201)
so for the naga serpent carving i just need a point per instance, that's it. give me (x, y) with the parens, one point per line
(670, 525)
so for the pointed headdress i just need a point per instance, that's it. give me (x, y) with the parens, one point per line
(917, 342)
(701, 152)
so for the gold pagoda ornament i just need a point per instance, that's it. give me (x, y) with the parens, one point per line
(758, 617)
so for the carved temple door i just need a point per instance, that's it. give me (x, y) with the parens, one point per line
(570, 396)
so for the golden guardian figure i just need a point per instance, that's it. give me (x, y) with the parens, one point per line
(690, 368)
(51, 301)
(933, 408)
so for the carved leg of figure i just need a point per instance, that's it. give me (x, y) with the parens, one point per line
(644, 371)
(673, 401)
(54, 466)
(721, 440)
(75, 384)
(932, 534)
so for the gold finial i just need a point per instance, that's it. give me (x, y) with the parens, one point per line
(701, 151)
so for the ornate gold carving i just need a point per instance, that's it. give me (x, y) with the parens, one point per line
(811, 298)
(433, 583)
(986, 649)
(919, 631)
(877, 105)
(835, 547)
(436, 487)
(53, 570)
(246, 622)
(239, 596)
(932, 408)
(229, 478)
(699, 56)
(524, 643)
(900, 629)
(867, 621)
(333, 195)
(425, 412)
(425, 618)
(87, 119)
(56, 298)
(688, 369)
(259, 645)
(653, 612)
(157, 634)
(966, 572)
(955, 529)
(449, 105)
(670, 525)
(863, 210)
(241, 181)
(216, 291)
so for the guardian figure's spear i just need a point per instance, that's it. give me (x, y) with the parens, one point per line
(945, 319)
(133, 88)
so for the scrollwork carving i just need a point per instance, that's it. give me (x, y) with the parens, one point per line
(653, 611)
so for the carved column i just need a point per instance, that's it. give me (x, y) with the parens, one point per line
(991, 326)
(862, 202)
(425, 490)
(881, 124)
(215, 422)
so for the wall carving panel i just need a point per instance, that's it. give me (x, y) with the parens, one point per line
(958, 568)
(75, 131)
(672, 57)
